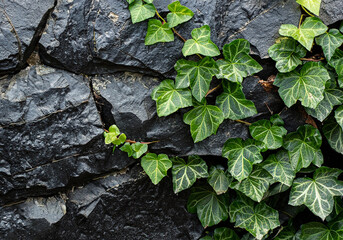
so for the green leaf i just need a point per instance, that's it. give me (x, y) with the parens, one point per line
(341, 27)
(233, 103)
(127, 148)
(270, 135)
(279, 166)
(156, 166)
(178, 14)
(312, 5)
(139, 149)
(148, 1)
(210, 207)
(186, 173)
(204, 121)
(337, 63)
(287, 54)
(158, 32)
(286, 234)
(219, 180)
(197, 75)
(201, 43)
(257, 219)
(308, 30)
(120, 140)
(241, 155)
(111, 135)
(339, 116)
(140, 12)
(330, 41)
(169, 99)
(317, 230)
(307, 86)
(130, 1)
(255, 185)
(237, 63)
(277, 120)
(317, 193)
(304, 147)
(334, 134)
(224, 233)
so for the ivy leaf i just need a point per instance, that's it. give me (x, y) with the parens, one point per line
(186, 173)
(219, 180)
(306, 86)
(139, 149)
(201, 43)
(204, 121)
(279, 166)
(130, 1)
(337, 62)
(334, 134)
(330, 41)
(287, 54)
(197, 75)
(341, 27)
(222, 233)
(270, 135)
(286, 234)
(241, 155)
(312, 5)
(233, 103)
(309, 29)
(111, 135)
(210, 207)
(140, 12)
(158, 32)
(304, 147)
(178, 14)
(257, 219)
(148, 1)
(255, 185)
(169, 99)
(237, 63)
(317, 230)
(156, 166)
(317, 193)
(120, 140)
(127, 148)
(339, 116)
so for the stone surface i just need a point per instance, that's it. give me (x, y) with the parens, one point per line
(27, 17)
(331, 11)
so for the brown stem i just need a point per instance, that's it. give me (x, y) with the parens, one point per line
(179, 35)
(246, 123)
(312, 59)
(213, 89)
(106, 130)
(132, 141)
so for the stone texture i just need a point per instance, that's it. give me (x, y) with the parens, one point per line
(331, 11)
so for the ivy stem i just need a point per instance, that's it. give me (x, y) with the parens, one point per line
(241, 121)
(179, 35)
(312, 59)
(106, 130)
(164, 21)
(310, 14)
(213, 89)
(132, 141)
(301, 18)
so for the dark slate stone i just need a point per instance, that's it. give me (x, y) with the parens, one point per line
(28, 19)
(104, 40)
(123, 205)
(331, 11)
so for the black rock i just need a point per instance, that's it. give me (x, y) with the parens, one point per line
(331, 11)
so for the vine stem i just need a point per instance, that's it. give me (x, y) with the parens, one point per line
(132, 141)
(307, 11)
(164, 21)
(312, 60)
(241, 121)
(213, 89)
(301, 18)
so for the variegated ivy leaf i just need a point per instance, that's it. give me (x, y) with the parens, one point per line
(330, 41)
(258, 219)
(197, 75)
(222, 233)
(219, 180)
(275, 189)
(178, 14)
(337, 62)
(317, 193)
(312, 5)
(200, 43)
(334, 134)
(210, 207)
(233, 103)
(186, 173)
(279, 166)
(307, 86)
(309, 29)
(337, 210)
(316, 230)
(169, 99)
(287, 54)
(204, 121)
(255, 185)
(271, 135)
(140, 12)
(287, 233)
(158, 32)
(339, 116)
(237, 63)
(241, 155)
(304, 147)
(156, 166)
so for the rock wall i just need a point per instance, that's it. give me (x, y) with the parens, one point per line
(70, 68)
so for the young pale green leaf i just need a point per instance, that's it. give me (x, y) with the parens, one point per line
(312, 5)
(255, 185)
(140, 12)
(316, 230)
(309, 29)
(233, 103)
(271, 135)
(178, 14)
(169, 99)
(337, 63)
(120, 140)
(156, 166)
(186, 173)
(219, 180)
(197, 75)
(158, 32)
(200, 43)
(317, 193)
(304, 147)
(287, 54)
(307, 86)
(139, 149)
(257, 219)
(237, 63)
(339, 116)
(204, 121)
(241, 155)
(127, 148)
(148, 1)
(111, 135)
(330, 41)
(334, 134)
(210, 207)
